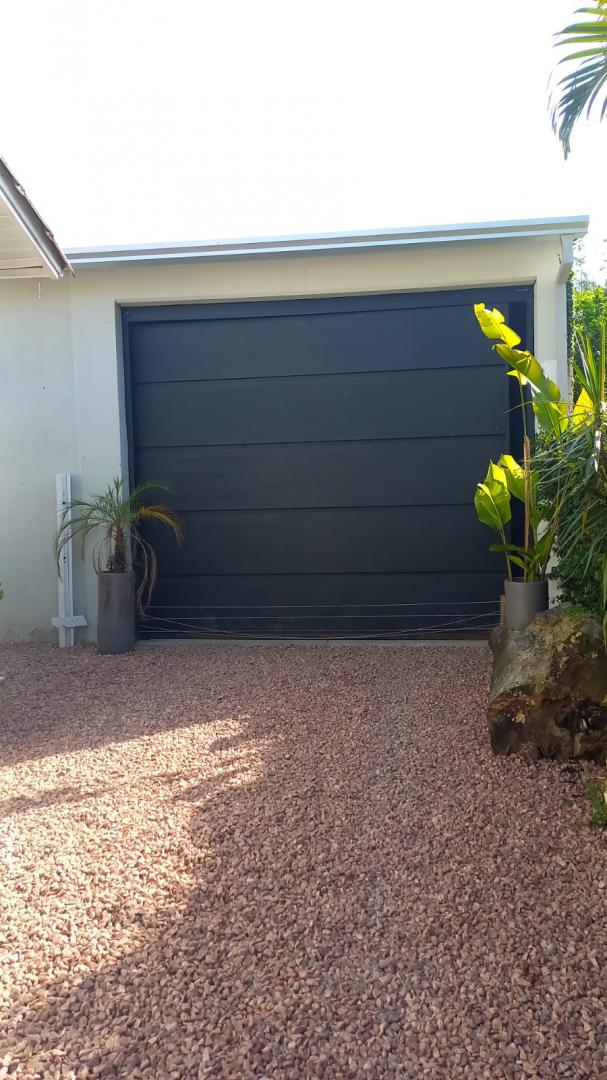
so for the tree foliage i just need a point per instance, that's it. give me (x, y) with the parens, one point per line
(590, 315)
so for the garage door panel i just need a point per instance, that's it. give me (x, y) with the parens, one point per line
(420, 539)
(380, 473)
(291, 345)
(334, 407)
(233, 593)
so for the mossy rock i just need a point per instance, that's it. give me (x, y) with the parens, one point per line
(548, 695)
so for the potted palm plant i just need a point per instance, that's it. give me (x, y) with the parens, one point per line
(124, 560)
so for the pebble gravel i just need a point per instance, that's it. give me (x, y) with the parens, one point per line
(273, 862)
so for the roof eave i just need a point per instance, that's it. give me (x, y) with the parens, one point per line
(572, 227)
(38, 233)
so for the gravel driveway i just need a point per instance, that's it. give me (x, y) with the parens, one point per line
(286, 862)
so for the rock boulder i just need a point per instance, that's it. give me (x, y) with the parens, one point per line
(548, 695)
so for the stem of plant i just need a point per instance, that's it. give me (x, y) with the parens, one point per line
(527, 469)
(118, 558)
(508, 565)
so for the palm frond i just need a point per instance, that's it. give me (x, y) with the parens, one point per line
(579, 89)
(162, 514)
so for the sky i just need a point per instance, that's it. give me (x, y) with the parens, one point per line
(135, 121)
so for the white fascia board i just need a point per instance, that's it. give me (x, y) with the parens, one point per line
(572, 227)
(35, 230)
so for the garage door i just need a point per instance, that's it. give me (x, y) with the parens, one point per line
(323, 456)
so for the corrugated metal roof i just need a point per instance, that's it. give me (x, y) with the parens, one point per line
(27, 246)
(83, 257)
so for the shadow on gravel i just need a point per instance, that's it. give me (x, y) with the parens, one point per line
(61, 700)
(23, 804)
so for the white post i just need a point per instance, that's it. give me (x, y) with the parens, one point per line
(65, 582)
(66, 620)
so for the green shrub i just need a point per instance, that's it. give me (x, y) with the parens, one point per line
(579, 577)
(572, 466)
(576, 567)
(590, 314)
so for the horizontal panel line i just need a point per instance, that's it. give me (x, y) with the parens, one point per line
(318, 442)
(330, 573)
(333, 607)
(337, 304)
(312, 374)
(319, 509)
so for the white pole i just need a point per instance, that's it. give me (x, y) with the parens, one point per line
(66, 620)
(65, 583)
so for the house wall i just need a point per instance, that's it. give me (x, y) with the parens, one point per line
(61, 382)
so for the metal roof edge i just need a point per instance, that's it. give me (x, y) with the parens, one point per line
(327, 242)
(35, 228)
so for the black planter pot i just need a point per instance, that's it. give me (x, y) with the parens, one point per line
(116, 615)
(524, 600)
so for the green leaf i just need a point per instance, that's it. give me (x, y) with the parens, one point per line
(536, 515)
(494, 327)
(522, 362)
(543, 546)
(548, 403)
(516, 549)
(551, 416)
(515, 476)
(526, 364)
(519, 562)
(511, 548)
(492, 499)
(531, 561)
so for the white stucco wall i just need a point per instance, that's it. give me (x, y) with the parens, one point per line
(61, 386)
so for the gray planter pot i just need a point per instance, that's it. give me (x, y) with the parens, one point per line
(116, 616)
(524, 600)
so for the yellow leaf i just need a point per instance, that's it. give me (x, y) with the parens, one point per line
(494, 326)
(583, 411)
(517, 375)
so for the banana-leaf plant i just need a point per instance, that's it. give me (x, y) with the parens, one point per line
(518, 480)
(116, 519)
(552, 413)
(548, 404)
(543, 482)
(493, 501)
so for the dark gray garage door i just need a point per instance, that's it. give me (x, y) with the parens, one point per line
(324, 455)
